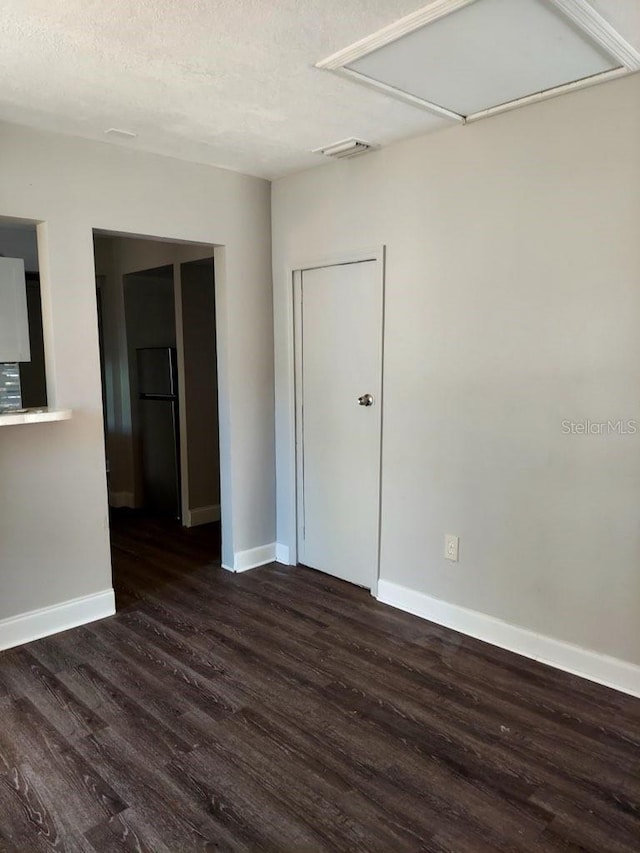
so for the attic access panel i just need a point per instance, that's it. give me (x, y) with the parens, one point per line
(464, 57)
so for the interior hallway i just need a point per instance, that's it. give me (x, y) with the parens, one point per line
(285, 710)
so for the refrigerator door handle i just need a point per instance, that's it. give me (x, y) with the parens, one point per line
(170, 398)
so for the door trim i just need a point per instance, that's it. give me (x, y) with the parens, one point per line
(376, 254)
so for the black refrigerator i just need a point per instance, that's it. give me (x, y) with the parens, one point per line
(159, 429)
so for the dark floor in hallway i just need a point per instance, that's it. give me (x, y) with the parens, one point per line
(283, 710)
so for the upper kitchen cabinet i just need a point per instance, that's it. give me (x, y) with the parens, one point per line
(14, 320)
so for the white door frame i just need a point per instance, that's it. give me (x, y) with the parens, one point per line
(376, 254)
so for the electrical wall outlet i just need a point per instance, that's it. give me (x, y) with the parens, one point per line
(451, 544)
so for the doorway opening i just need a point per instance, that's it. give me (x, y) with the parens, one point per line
(157, 334)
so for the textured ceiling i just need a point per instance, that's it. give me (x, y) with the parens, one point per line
(225, 82)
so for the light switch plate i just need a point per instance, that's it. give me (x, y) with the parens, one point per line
(451, 545)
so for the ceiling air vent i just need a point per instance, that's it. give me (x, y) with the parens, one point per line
(345, 148)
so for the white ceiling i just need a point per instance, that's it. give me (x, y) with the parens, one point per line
(225, 82)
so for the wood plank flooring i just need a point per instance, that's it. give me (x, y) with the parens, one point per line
(283, 710)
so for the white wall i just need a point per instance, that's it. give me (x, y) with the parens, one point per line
(512, 303)
(53, 501)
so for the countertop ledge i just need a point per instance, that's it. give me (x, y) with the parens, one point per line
(34, 416)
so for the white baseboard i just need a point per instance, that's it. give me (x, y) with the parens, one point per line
(202, 515)
(603, 669)
(282, 554)
(36, 624)
(121, 499)
(251, 559)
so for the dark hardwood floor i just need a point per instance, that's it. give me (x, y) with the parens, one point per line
(283, 710)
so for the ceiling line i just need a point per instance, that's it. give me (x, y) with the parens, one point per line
(547, 94)
(400, 95)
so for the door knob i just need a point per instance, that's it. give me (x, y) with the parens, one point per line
(365, 400)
